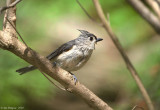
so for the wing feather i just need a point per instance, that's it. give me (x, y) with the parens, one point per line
(63, 48)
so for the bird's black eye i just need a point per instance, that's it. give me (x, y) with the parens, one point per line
(91, 38)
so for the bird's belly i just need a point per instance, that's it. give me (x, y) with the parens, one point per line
(72, 61)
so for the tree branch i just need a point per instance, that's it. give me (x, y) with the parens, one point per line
(33, 54)
(124, 55)
(63, 77)
(10, 6)
(9, 42)
(155, 6)
(11, 15)
(146, 14)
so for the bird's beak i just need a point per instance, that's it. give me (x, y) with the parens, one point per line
(99, 39)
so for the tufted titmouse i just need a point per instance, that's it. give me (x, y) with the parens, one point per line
(72, 55)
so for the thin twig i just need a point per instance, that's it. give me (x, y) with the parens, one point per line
(32, 54)
(124, 55)
(53, 82)
(16, 31)
(85, 11)
(158, 2)
(88, 13)
(155, 6)
(10, 6)
(136, 106)
(146, 14)
(108, 19)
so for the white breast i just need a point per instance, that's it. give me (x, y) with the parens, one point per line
(73, 59)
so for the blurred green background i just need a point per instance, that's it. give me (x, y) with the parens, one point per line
(45, 25)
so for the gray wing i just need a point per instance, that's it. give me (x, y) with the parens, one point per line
(63, 48)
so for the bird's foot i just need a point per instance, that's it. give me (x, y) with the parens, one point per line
(74, 78)
(54, 64)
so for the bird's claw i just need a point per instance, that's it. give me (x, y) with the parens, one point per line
(54, 64)
(75, 79)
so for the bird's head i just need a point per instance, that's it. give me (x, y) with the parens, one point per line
(88, 39)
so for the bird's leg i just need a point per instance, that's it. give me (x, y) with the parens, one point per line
(54, 64)
(74, 77)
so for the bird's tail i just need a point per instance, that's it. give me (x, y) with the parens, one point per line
(26, 69)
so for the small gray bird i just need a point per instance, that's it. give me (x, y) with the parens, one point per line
(72, 55)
